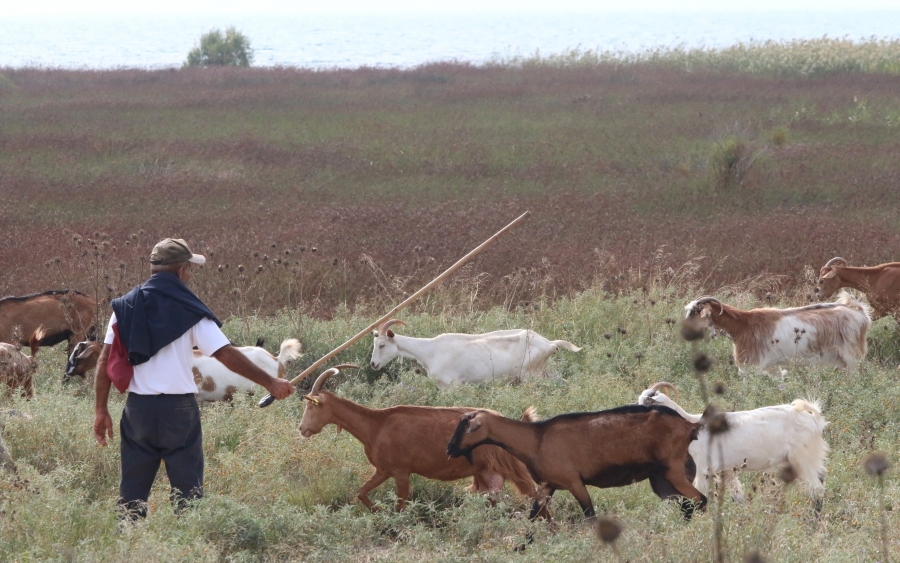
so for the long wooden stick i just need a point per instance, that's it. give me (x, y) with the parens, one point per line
(269, 399)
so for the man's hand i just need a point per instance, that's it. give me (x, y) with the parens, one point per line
(280, 388)
(103, 427)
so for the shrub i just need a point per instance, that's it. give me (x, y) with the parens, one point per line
(215, 49)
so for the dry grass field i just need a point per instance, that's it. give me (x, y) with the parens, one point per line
(322, 198)
(363, 183)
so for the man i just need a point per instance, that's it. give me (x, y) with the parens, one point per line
(159, 323)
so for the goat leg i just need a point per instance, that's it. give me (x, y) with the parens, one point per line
(402, 482)
(693, 498)
(376, 479)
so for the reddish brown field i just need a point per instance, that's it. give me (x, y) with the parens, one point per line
(330, 187)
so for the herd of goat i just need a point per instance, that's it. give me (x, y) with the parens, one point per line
(654, 439)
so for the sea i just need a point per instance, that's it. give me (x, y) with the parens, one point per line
(407, 40)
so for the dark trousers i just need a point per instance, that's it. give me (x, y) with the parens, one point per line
(156, 428)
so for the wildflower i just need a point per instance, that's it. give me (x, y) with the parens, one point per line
(753, 557)
(691, 330)
(788, 475)
(716, 421)
(876, 463)
(719, 388)
(702, 363)
(608, 530)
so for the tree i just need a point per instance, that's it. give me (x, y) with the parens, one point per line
(231, 49)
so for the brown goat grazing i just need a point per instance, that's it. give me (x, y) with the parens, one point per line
(82, 359)
(17, 369)
(611, 448)
(881, 284)
(404, 440)
(65, 315)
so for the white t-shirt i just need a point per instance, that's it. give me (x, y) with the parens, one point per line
(169, 370)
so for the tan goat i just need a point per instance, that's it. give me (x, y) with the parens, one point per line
(65, 315)
(404, 440)
(17, 369)
(881, 284)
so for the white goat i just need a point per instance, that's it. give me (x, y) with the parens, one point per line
(469, 358)
(763, 439)
(827, 333)
(215, 382)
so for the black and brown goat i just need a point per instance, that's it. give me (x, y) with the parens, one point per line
(404, 440)
(65, 315)
(611, 448)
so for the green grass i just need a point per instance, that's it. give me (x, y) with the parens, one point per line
(272, 496)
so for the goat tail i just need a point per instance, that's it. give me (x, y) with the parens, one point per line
(848, 300)
(291, 349)
(808, 458)
(567, 345)
(530, 415)
(35, 341)
(814, 409)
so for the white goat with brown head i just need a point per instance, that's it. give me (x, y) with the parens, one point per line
(454, 358)
(215, 382)
(828, 333)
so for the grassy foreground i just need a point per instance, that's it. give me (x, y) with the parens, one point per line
(272, 496)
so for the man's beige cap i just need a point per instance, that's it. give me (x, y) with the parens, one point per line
(173, 251)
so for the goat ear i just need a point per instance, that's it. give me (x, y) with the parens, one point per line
(390, 333)
(706, 312)
(474, 424)
(85, 354)
(375, 332)
(829, 275)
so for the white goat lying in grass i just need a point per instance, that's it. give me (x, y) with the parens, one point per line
(215, 382)
(764, 439)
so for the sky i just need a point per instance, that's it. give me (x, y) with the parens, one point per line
(122, 7)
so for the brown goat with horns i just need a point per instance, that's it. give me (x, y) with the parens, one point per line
(404, 440)
(611, 448)
(881, 284)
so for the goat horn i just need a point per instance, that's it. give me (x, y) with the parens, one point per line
(665, 385)
(328, 373)
(707, 299)
(834, 261)
(387, 324)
